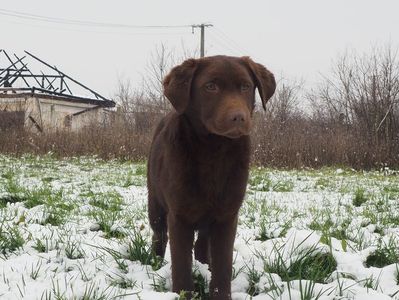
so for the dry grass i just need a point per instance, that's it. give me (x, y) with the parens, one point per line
(298, 142)
(107, 143)
(306, 143)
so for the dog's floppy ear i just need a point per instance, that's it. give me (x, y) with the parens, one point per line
(177, 84)
(264, 80)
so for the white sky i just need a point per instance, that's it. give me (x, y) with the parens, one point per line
(293, 38)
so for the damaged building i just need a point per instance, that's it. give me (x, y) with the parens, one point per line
(39, 97)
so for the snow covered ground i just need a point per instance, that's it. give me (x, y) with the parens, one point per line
(78, 229)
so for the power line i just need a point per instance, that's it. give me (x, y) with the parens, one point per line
(217, 34)
(230, 41)
(161, 31)
(40, 18)
(221, 44)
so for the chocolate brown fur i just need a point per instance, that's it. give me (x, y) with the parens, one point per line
(199, 162)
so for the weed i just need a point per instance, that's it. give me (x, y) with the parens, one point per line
(385, 254)
(110, 201)
(44, 244)
(141, 170)
(260, 181)
(253, 276)
(10, 199)
(371, 282)
(201, 286)
(38, 196)
(266, 234)
(73, 250)
(106, 221)
(92, 292)
(39, 246)
(54, 219)
(328, 228)
(316, 267)
(159, 283)
(392, 191)
(283, 186)
(307, 290)
(140, 250)
(8, 175)
(322, 183)
(10, 238)
(360, 197)
(35, 270)
(122, 282)
(13, 190)
(309, 264)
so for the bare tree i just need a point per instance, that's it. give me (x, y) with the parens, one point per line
(140, 108)
(363, 92)
(161, 62)
(285, 102)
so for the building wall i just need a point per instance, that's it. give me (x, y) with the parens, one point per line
(50, 115)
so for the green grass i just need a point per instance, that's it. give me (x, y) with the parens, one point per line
(359, 197)
(387, 253)
(12, 189)
(10, 239)
(283, 186)
(10, 199)
(308, 264)
(323, 183)
(392, 191)
(328, 228)
(253, 277)
(259, 180)
(85, 210)
(106, 221)
(40, 247)
(139, 249)
(110, 201)
(123, 282)
(159, 283)
(265, 232)
(73, 250)
(201, 286)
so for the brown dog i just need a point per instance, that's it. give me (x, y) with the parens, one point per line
(198, 165)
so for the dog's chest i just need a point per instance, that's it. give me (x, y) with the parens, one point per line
(215, 187)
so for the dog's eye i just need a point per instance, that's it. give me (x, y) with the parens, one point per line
(245, 87)
(211, 86)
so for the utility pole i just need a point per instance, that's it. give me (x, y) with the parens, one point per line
(202, 26)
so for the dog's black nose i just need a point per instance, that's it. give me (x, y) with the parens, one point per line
(237, 117)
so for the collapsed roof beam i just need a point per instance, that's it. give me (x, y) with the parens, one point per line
(98, 96)
(50, 83)
(67, 86)
(12, 63)
(18, 60)
(23, 78)
(15, 76)
(37, 81)
(38, 75)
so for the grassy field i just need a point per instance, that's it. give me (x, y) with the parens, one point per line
(78, 229)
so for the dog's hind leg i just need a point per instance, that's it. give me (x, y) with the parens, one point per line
(158, 222)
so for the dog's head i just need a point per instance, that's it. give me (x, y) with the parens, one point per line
(218, 92)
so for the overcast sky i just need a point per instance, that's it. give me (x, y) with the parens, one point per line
(296, 39)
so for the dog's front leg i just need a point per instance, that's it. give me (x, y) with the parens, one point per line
(181, 238)
(222, 242)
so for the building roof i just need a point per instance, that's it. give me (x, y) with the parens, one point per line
(29, 75)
